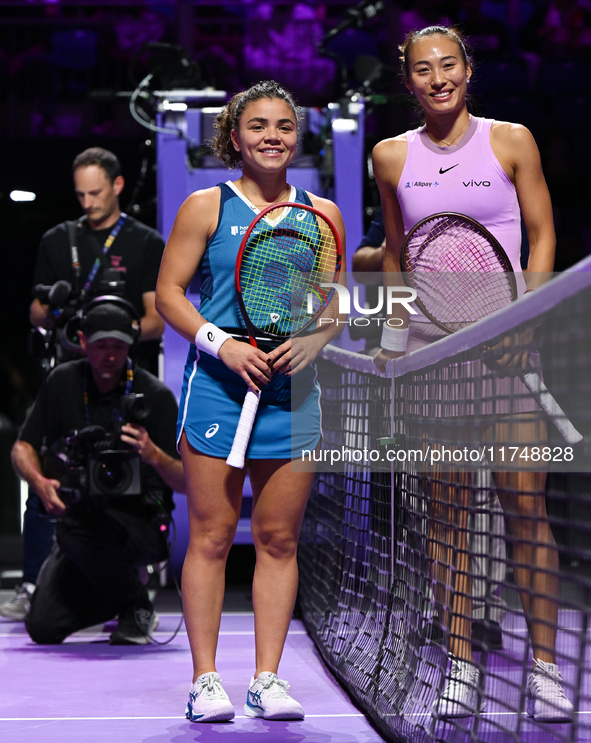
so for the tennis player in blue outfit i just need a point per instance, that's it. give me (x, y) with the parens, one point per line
(257, 131)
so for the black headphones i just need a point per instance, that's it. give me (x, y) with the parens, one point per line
(70, 339)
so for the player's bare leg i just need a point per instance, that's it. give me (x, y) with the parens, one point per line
(280, 496)
(214, 494)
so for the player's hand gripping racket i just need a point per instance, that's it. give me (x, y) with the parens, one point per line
(462, 274)
(288, 251)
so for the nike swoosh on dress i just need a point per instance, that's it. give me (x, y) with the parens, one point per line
(442, 171)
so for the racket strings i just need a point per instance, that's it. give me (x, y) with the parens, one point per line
(281, 265)
(459, 274)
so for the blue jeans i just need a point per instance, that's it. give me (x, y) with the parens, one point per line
(37, 539)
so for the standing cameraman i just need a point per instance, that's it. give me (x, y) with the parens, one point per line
(90, 575)
(109, 248)
(103, 247)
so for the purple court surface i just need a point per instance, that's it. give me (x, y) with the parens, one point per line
(86, 690)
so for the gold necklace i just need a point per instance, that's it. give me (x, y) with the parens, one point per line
(449, 144)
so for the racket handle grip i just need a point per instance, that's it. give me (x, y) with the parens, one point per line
(549, 405)
(244, 429)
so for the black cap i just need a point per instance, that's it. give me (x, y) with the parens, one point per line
(107, 321)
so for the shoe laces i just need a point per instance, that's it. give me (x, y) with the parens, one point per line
(462, 672)
(546, 681)
(211, 686)
(274, 686)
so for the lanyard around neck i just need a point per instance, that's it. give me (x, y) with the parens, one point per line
(128, 387)
(97, 262)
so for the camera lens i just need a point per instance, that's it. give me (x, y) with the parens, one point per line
(134, 408)
(138, 410)
(112, 475)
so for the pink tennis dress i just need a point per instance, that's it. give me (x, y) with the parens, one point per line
(468, 179)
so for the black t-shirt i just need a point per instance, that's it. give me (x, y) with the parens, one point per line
(59, 409)
(136, 253)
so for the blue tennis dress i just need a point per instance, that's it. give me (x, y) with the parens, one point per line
(288, 419)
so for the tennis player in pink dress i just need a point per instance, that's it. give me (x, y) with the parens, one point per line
(490, 171)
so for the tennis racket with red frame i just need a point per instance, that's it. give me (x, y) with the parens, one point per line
(287, 253)
(461, 274)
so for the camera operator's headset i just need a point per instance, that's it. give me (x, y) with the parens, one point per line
(70, 339)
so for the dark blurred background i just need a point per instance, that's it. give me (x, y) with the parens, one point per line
(63, 64)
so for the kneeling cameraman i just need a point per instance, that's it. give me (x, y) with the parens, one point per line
(117, 479)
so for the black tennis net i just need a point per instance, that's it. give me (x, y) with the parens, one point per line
(405, 554)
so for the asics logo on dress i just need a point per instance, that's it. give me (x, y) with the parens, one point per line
(212, 430)
(300, 215)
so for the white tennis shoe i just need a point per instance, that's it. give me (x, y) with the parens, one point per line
(208, 702)
(267, 697)
(460, 696)
(546, 700)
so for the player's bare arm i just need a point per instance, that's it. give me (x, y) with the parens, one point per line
(389, 157)
(195, 224)
(519, 156)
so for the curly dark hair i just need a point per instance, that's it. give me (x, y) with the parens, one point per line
(450, 31)
(105, 159)
(229, 118)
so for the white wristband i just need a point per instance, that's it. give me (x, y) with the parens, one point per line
(210, 339)
(394, 339)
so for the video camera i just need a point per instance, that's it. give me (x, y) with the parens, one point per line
(93, 464)
(64, 302)
(67, 308)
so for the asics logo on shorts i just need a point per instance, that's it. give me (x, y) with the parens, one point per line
(212, 430)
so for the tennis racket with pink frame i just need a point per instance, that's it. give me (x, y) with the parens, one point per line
(461, 274)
